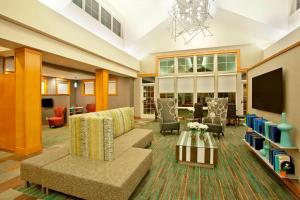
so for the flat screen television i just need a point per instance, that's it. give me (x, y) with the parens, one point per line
(267, 91)
(47, 103)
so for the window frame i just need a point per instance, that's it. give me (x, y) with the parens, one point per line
(67, 82)
(45, 80)
(185, 64)
(120, 27)
(115, 80)
(226, 62)
(103, 21)
(92, 7)
(83, 93)
(74, 2)
(174, 63)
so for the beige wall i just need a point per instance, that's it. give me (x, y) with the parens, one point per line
(125, 94)
(82, 100)
(286, 41)
(289, 61)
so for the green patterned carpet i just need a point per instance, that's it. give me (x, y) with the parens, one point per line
(238, 174)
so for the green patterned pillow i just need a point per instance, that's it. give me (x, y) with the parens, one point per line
(91, 137)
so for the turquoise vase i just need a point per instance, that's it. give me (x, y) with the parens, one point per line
(267, 150)
(285, 128)
(267, 130)
(263, 150)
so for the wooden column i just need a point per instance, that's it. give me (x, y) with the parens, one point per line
(101, 89)
(28, 64)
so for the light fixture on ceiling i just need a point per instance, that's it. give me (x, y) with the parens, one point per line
(189, 18)
(75, 84)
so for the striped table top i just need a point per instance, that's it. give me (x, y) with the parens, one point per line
(208, 140)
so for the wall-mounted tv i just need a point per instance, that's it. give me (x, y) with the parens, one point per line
(267, 91)
(47, 103)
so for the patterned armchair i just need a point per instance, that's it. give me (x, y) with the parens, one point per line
(217, 113)
(168, 121)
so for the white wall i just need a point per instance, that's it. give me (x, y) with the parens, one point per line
(36, 18)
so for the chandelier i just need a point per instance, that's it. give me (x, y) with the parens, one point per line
(189, 19)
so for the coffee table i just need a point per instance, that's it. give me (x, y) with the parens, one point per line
(203, 153)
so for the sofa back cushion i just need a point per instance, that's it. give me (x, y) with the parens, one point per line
(91, 137)
(123, 119)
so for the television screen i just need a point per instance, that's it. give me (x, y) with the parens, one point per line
(47, 103)
(267, 91)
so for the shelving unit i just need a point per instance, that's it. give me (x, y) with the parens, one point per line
(273, 143)
(288, 176)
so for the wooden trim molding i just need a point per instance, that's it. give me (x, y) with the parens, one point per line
(113, 78)
(83, 87)
(275, 55)
(148, 75)
(45, 80)
(63, 80)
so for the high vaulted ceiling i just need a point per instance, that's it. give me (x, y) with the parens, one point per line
(146, 23)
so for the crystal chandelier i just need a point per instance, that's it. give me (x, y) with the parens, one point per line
(189, 18)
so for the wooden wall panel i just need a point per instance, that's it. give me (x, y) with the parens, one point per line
(28, 100)
(7, 110)
(101, 89)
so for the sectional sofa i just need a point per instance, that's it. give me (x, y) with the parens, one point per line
(106, 159)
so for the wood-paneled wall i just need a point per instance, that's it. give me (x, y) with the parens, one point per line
(101, 89)
(7, 110)
(28, 64)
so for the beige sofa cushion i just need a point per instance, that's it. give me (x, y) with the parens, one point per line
(31, 168)
(94, 179)
(140, 138)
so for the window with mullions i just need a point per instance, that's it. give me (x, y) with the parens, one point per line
(227, 62)
(105, 18)
(117, 27)
(185, 100)
(298, 4)
(167, 95)
(78, 3)
(230, 95)
(92, 8)
(205, 63)
(166, 66)
(185, 65)
(201, 97)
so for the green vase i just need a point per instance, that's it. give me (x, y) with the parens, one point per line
(285, 128)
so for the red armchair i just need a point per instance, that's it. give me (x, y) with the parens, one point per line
(58, 119)
(90, 108)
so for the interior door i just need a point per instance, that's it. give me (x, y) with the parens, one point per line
(148, 101)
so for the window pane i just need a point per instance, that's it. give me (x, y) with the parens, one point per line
(221, 58)
(166, 66)
(205, 63)
(78, 3)
(185, 65)
(148, 80)
(117, 27)
(221, 66)
(92, 8)
(231, 66)
(227, 62)
(231, 58)
(166, 95)
(185, 100)
(201, 97)
(230, 95)
(105, 18)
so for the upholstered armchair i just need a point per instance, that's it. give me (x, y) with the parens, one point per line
(217, 113)
(58, 119)
(168, 121)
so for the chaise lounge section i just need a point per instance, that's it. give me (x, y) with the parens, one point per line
(83, 172)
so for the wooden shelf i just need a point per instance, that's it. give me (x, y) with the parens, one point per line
(273, 143)
(288, 176)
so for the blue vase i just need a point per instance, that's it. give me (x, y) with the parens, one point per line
(285, 128)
